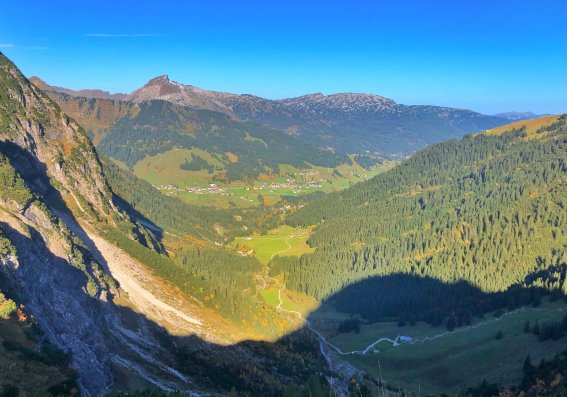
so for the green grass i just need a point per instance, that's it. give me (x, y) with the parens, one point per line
(164, 169)
(457, 360)
(298, 302)
(270, 296)
(282, 241)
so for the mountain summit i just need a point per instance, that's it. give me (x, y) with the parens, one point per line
(162, 88)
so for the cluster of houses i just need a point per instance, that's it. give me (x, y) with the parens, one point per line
(212, 189)
(308, 174)
(291, 184)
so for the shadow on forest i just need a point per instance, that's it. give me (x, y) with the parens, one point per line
(96, 331)
(408, 298)
(252, 367)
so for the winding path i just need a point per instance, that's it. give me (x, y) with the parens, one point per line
(286, 243)
(394, 342)
(345, 370)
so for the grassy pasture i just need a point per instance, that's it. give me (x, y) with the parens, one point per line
(531, 125)
(283, 241)
(164, 169)
(450, 362)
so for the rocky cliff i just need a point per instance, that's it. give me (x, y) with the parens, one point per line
(53, 199)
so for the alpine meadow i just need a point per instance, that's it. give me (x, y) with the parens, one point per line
(287, 199)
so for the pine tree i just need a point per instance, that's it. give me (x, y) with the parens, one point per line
(535, 329)
(451, 323)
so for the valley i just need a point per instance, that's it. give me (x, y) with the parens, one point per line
(172, 240)
(169, 173)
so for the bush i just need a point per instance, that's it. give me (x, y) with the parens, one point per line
(7, 307)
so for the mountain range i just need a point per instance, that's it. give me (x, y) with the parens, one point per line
(455, 258)
(89, 297)
(517, 116)
(346, 122)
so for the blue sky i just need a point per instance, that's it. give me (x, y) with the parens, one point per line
(489, 56)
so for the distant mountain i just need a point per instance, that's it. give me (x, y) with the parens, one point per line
(128, 132)
(81, 93)
(347, 122)
(163, 88)
(516, 116)
(241, 149)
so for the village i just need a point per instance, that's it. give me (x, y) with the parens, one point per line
(308, 182)
(211, 189)
(292, 184)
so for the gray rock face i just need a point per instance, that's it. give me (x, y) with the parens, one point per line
(53, 292)
(54, 170)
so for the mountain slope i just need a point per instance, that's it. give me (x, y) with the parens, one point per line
(89, 94)
(516, 116)
(160, 126)
(488, 210)
(96, 115)
(346, 122)
(115, 310)
(40, 149)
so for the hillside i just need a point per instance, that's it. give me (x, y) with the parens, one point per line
(347, 122)
(89, 94)
(517, 116)
(96, 301)
(487, 210)
(207, 158)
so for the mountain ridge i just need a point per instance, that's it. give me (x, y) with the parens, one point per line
(517, 116)
(85, 93)
(346, 122)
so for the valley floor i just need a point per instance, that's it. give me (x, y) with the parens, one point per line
(434, 360)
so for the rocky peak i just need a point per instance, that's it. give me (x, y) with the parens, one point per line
(343, 102)
(39, 83)
(159, 80)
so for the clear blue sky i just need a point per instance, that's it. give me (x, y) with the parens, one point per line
(489, 56)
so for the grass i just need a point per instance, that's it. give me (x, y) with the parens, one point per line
(270, 296)
(455, 361)
(298, 302)
(283, 241)
(164, 169)
(531, 125)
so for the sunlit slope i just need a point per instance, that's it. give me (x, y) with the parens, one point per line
(481, 209)
(530, 126)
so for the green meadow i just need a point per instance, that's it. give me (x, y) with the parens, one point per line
(438, 361)
(283, 241)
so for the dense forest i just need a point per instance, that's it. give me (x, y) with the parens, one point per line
(488, 210)
(160, 126)
(141, 199)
